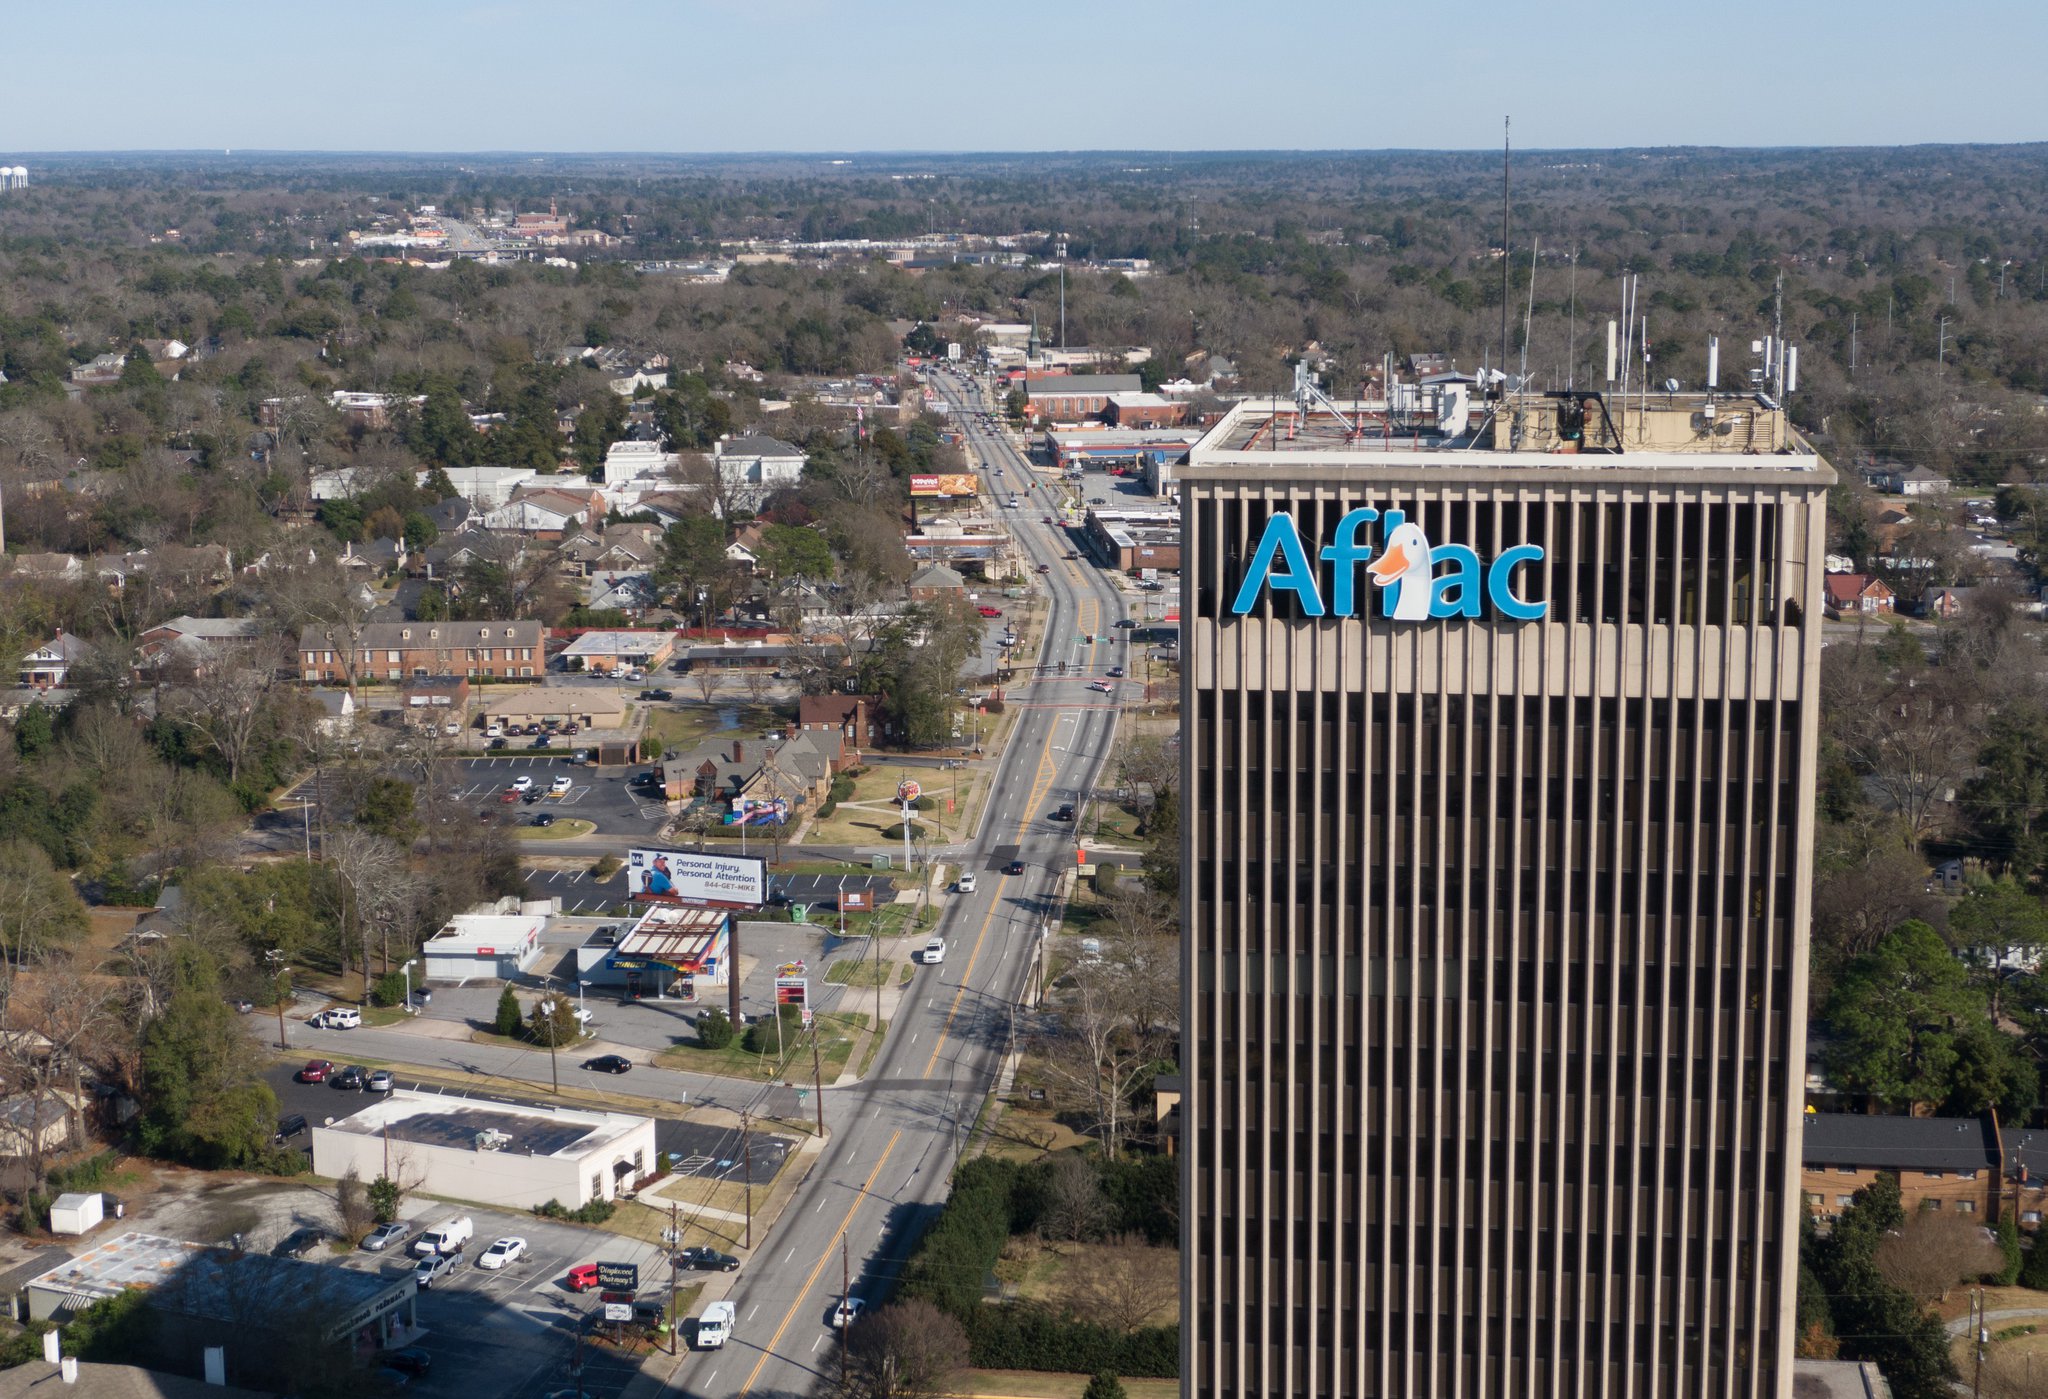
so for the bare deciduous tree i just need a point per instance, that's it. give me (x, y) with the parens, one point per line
(906, 1350)
(1101, 1045)
(224, 705)
(1936, 1249)
(1125, 1283)
(1075, 1207)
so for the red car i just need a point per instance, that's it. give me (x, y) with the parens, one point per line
(316, 1071)
(582, 1277)
(510, 794)
(990, 611)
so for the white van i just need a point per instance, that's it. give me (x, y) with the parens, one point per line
(446, 1237)
(714, 1326)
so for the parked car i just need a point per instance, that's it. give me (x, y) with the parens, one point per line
(561, 785)
(352, 1078)
(510, 794)
(432, 1269)
(544, 820)
(521, 782)
(379, 1081)
(530, 797)
(316, 1071)
(1091, 949)
(990, 611)
(385, 1235)
(289, 1127)
(413, 1360)
(707, 1259)
(502, 1252)
(609, 1064)
(544, 741)
(660, 695)
(339, 1018)
(496, 744)
(581, 1278)
(299, 1243)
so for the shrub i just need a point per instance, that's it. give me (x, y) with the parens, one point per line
(605, 868)
(714, 1029)
(2009, 1245)
(596, 1212)
(509, 1018)
(390, 989)
(89, 1174)
(762, 1036)
(2034, 1271)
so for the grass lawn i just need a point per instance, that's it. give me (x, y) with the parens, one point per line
(835, 1045)
(565, 828)
(1108, 821)
(867, 1059)
(1040, 1384)
(851, 973)
(877, 783)
(692, 722)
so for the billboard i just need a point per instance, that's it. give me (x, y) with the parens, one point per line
(685, 877)
(943, 485)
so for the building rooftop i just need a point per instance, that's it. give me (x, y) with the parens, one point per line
(1430, 429)
(211, 1282)
(672, 935)
(605, 643)
(98, 1381)
(432, 1119)
(1899, 1143)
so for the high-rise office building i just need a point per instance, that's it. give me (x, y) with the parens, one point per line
(1499, 759)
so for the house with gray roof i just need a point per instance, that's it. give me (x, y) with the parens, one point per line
(753, 467)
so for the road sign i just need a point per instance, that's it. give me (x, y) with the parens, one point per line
(618, 1311)
(619, 1277)
(908, 791)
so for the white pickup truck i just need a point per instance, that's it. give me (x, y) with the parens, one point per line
(715, 1326)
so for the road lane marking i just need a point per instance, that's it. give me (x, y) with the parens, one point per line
(831, 1246)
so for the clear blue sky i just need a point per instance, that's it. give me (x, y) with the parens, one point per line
(812, 75)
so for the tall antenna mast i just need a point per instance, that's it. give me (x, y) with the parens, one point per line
(1529, 316)
(1571, 369)
(1506, 151)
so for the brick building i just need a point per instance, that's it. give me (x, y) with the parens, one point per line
(1068, 398)
(388, 652)
(1941, 1162)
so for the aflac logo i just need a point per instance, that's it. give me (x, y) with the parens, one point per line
(1407, 572)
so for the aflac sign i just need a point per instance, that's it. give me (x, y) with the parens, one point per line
(1407, 571)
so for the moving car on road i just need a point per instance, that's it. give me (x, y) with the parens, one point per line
(609, 1064)
(1016, 867)
(1103, 685)
(935, 951)
(502, 1252)
(1116, 672)
(965, 884)
(847, 1312)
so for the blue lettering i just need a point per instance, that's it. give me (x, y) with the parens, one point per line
(1455, 594)
(1500, 584)
(1283, 539)
(1347, 554)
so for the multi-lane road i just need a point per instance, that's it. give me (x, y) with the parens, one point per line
(893, 1138)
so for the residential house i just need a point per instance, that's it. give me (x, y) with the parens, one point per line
(337, 711)
(670, 507)
(1947, 1163)
(606, 651)
(754, 467)
(450, 515)
(586, 550)
(451, 552)
(370, 411)
(745, 549)
(620, 590)
(1944, 603)
(547, 513)
(381, 556)
(2024, 1151)
(394, 651)
(37, 1124)
(44, 568)
(185, 646)
(48, 667)
(169, 564)
(937, 583)
(1846, 594)
(857, 719)
(336, 483)
(797, 769)
(1917, 480)
(630, 384)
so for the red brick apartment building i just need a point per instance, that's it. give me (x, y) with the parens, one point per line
(394, 651)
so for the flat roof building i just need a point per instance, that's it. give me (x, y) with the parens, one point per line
(494, 946)
(493, 1153)
(1498, 790)
(643, 649)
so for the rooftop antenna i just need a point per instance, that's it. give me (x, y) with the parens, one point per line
(1529, 316)
(1307, 393)
(1571, 371)
(1506, 153)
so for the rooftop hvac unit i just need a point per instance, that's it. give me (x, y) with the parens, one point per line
(490, 1139)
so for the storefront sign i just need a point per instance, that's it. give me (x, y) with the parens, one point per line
(1418, 580)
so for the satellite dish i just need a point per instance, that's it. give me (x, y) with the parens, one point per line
(1671, 386)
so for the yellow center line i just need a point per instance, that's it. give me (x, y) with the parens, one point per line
(1041, 779)
(823, 1258)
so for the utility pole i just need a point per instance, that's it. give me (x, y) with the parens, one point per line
(817, 1076)
(1941, 342)
(747, 1173)
(846, 1295)
(278, 972)
(675, 1240)
(1852, 342)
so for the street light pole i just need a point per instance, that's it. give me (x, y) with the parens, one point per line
(278, 971)
(407, 969)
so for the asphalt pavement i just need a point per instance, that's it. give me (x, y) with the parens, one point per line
(884, 1171)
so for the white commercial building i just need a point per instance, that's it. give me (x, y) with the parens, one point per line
(486, 946)
(627, 461)
(752, 468)
(487, 487)
(510, 1154)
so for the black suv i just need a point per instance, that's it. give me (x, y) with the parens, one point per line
(1065, 813)
(352, 1077)
(289, 1127)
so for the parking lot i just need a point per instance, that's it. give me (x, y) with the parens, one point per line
(603, 795)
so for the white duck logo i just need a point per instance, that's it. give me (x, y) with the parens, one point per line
(1405, 567)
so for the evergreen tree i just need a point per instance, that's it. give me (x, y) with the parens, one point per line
(509, 1019)
(1104, 1386)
